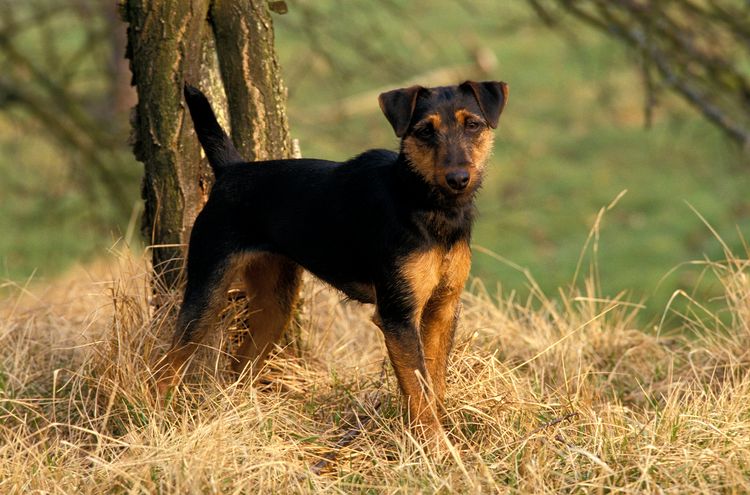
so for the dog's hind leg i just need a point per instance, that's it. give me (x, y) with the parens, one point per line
(272, 283)
(205, 296)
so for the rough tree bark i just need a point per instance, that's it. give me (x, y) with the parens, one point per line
(224, 47)
(251, 75)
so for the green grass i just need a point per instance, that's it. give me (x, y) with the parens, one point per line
(569, 393)
(53, 213)
(48, 219)
(571, 140)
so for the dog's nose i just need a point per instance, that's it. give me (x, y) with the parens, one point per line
(457, 179)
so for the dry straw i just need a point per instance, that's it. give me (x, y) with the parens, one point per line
(546, 395)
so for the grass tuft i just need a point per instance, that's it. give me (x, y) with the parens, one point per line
(548, 395)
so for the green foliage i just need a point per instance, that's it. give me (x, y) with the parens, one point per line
(571, 140)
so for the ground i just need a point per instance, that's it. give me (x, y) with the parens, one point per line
(544, 397)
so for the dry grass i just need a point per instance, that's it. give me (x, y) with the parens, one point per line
(544, 396)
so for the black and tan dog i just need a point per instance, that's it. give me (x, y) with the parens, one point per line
(384, 228)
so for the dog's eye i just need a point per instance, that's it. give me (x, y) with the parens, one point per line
(473, 125)
(425, 132)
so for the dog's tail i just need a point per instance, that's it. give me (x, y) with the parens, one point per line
(219, 148)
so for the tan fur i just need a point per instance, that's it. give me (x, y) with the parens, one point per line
(440, 313)
(456, 265)
(422, 272)
(425, 158)
(462, 114)
(421, 158)
(436, 279)
(481, 143)
(171, 366)
(436, 273)
(272, 284)
(435, 120)
(482, 148)
(413, 380)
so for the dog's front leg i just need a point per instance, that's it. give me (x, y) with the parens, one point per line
(407, 357)
(440, 316)
(401, 299)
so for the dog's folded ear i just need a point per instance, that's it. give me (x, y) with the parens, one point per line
(491, 96)
(398, 107)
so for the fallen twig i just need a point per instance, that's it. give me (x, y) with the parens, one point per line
(549, 423)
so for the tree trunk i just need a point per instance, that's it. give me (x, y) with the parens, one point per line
(171, 41)
(251, 75)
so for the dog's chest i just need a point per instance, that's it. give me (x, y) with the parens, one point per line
(446, 227)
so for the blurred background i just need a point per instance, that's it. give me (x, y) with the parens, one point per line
(643, 102)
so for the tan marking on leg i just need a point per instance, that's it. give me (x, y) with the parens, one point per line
(455, 267)
(440, 313)
(437, 337)
(407, 360)
(172, 365)
(422, 271)
(272, 283)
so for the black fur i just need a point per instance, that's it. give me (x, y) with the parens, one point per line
(219, 148)
(349, 223)
(353, 224)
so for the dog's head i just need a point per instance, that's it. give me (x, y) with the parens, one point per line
(446, 132)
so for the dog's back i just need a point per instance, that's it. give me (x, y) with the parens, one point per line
(388, 228)
(335, 219)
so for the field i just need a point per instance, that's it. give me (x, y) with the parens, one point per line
(549, 397)
(604, 340)
(571, 140)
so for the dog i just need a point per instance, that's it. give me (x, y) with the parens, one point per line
(384, 228)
